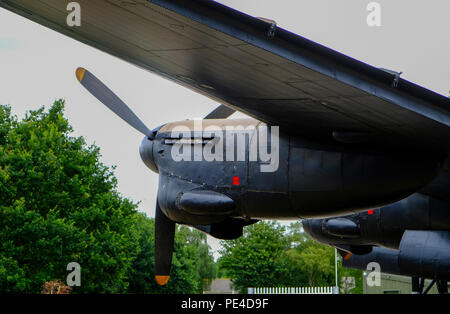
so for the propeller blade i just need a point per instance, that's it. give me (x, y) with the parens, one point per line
(164, 239)
(221, 112)
(110, 100)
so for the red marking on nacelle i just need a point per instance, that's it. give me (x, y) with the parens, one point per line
(235, 180)
(370, 212)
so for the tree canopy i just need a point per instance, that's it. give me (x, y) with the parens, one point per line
(60, 204)
(257, 258)
(270, 255)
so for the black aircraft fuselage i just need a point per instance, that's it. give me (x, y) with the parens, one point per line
(308, 179)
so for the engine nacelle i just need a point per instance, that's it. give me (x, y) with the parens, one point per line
(425, 254)
(383, 226)
(422, 254)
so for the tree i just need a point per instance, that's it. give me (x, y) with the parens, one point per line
(269, 255)
(59, 204)
(349, 272)
(206, 267)
(257, 258)
(314, 261)
(191, 260)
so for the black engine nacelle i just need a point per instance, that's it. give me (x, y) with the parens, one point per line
(425, 254)
(422, 254)
(383, 226)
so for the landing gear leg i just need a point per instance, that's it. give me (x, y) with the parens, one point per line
(417, 285)
(429, 286)
(442, 286)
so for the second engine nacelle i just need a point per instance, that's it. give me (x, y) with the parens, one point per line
(383, 226)
(422, 254)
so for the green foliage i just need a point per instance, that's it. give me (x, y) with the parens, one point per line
(269, 255)
(257, 258)
(314, 261)
(355, 273)
(206, 267)
(59, 204)
(190, 260)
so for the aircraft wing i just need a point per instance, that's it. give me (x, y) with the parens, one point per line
(254, 67)
(251, 66)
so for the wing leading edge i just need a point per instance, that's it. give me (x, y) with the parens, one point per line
(243, 62)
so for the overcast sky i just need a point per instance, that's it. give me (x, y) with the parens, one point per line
(37, 66)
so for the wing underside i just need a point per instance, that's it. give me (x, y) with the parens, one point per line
(251, 66)
(280, 78)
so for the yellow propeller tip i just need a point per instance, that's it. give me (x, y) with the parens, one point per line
(162, 280)
(80, 74)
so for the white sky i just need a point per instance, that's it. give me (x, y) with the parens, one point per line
(37, 66)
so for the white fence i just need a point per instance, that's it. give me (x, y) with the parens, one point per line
(293, 290)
